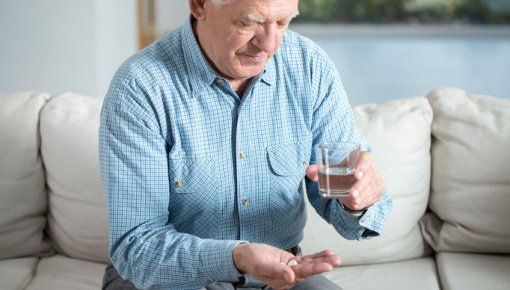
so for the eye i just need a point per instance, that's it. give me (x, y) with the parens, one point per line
(283, 24)
(244, 24)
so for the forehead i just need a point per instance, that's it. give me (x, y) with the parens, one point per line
(264, 9)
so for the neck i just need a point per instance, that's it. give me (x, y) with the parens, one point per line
(239, 86)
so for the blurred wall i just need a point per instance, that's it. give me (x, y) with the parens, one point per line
(170, 14)
(62, 45)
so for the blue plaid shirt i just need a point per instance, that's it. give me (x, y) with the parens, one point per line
(190, 169)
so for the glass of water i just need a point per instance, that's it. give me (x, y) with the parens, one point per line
(337, 162)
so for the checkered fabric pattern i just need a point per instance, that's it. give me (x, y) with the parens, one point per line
(190, 169)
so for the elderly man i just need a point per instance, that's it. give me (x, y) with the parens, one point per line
(205, 138)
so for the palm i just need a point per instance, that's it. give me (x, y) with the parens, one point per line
(317, 263)
(270, 265)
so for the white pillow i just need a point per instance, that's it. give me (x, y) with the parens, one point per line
(77, 217)
(399, 132)
(470, 194)
(22, 187)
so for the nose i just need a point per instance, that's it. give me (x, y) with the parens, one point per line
(265, 39)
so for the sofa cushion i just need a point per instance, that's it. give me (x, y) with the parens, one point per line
(417, 274)
(399, 132)
(16, 273)
(59, 272)
(473, 271)
(470, 194)
(22, 186)
(77, 218)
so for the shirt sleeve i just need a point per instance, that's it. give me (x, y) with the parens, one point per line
(333, 120)
(144, 247)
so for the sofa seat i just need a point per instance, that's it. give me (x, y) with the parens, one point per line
(416, 274)
(17, 273)
(59, 272)
(473, 271)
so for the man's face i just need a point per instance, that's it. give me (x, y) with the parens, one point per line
(238, 38)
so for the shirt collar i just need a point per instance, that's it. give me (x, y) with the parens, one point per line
(201, 73)
(268, 75)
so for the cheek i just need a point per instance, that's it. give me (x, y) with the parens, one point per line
(239, 42)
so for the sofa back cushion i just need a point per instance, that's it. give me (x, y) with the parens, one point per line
(470, 195)
(22, 187)
(399, 132)
(77, 217)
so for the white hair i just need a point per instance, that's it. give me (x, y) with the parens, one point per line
(220, 2)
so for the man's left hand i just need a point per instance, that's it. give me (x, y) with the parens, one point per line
(368, 187)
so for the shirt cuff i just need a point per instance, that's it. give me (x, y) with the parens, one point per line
(349, 224)
(217, 261)
(376, 216)
(369, 225)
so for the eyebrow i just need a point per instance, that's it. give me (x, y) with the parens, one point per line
(256, 18)
(260, 19)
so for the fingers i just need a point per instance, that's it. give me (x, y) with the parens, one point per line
(330, 259)
(279, 276)
(271, 265)
(368, 187)
(265, 263)
(323, 253)
(306, 270)
(365, 162)
(280, 272)
(314, 264)
(312, 171)
(371, 186)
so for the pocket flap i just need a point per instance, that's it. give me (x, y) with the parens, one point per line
(289, 158)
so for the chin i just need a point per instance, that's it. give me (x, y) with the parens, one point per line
(251, 71)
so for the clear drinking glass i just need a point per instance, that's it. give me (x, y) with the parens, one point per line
(337, 162)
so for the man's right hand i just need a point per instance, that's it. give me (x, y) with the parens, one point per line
(269, 264)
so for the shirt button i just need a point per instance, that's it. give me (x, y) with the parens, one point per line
(246, 201)
(305, 163)
(178, 184)
(220, 82)
(242, 155)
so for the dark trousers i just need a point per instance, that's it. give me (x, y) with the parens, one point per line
(113, 281)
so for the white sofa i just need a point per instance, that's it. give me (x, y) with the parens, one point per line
(445, 158)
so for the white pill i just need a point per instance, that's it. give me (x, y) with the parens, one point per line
(292, 263)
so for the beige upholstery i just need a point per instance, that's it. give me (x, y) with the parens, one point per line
(471, 173)
(473, 271)
(16, 273)
(399, 132)
(50, 184)
(77, 218)
(22, 193)
(59, 272)
(417, 274)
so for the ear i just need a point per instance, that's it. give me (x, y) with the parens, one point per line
(197, 8)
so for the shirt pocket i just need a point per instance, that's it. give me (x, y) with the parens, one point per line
(288, 162)
(193, 202)
(192, 175)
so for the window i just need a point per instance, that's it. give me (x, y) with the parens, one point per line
(405, 11)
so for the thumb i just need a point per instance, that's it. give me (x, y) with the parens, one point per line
(312, 172)
(288, 275)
